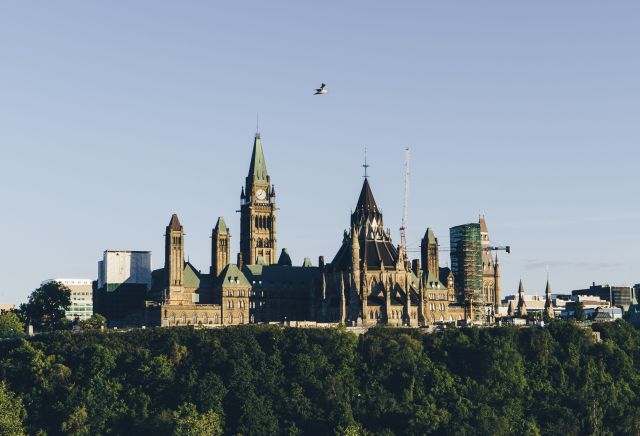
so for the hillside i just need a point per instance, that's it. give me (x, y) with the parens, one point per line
(268, 380)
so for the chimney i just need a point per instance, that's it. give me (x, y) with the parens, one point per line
(321, 262)
(239, 262)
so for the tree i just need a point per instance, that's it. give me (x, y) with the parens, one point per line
(10, 325)
(96, 322)
(188, 422)
(579, 312)
(11, 413)
(46, 306)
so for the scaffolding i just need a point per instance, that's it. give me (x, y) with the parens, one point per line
(466, 260)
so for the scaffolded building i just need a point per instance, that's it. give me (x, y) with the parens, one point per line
(466, 261)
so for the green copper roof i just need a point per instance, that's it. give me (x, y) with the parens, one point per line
(232, 276)
(258, 167)
(191, 276)
(221, 227)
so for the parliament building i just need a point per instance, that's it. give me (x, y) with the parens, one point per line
(369, 281)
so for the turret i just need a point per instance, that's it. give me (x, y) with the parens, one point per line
(429, 254)
(220, 247)
(174, 258)
(522, 306)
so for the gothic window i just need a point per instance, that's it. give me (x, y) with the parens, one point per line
(229, 319)
(370, 315)
(241, 319)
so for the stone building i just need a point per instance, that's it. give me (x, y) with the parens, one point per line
(370, 280)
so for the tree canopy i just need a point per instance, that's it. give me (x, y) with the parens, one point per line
(10, 325)
(268, 380)
(46, 307)
(11, 413)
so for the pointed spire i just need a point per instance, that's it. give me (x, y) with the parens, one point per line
(258, 166)
(522, 306)
(174, 224)
(285, 259)
(548, 302)
(366, 206)
(429, 236)
(221, 227)
(483, 224)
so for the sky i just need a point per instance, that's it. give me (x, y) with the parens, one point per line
(114, 115)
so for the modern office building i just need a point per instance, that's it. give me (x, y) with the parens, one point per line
(81, 297)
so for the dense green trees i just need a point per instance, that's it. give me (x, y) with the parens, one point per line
(268, 380)
(10, 325)
(11, 413)
(95, 322)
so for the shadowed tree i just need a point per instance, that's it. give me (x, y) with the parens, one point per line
(46, 306)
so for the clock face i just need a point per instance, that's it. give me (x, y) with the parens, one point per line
(260, 194)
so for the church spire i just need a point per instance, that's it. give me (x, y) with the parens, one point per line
(548, 301)
(522, 306)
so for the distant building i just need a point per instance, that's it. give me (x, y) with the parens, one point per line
(6, 308)
(607, 314)
(621, 296)
(81, 297)
(124, 277)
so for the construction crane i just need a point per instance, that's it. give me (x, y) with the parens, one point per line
(405, 205)
(506, 248)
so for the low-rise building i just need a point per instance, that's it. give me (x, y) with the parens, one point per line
(607, 314)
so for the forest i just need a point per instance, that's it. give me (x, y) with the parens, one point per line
(269, 380)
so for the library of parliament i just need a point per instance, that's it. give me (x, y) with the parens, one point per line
(369, 281)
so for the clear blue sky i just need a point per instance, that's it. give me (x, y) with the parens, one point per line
(113, 115)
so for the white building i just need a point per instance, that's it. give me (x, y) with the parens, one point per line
(124, 278)
(81, 297)
(124, 266)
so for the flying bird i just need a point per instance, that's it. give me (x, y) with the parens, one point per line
(321, 90)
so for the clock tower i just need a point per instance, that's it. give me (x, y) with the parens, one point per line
(258, 211)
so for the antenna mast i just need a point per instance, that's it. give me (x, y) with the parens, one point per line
(405, 205)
